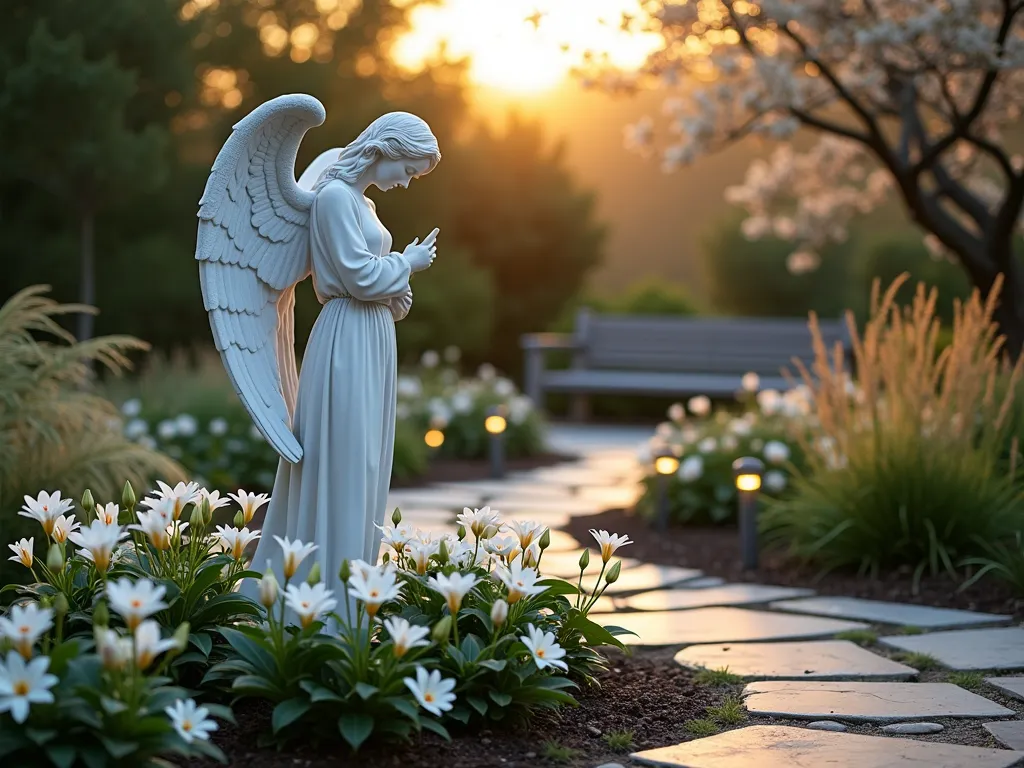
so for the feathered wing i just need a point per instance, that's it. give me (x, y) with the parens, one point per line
(253, 247)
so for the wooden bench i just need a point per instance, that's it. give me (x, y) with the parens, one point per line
(670, 356)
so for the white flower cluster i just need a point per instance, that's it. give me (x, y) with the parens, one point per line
(457, 396)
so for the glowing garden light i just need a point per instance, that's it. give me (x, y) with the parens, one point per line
(496, 424)
(434, 438)
(748, 472)
(666, 463)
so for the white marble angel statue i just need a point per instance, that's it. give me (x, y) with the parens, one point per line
(260, 233)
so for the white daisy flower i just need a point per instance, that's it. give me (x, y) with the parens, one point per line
(46, 508)
(24, 625)
(310, 602)
(294, 553)
(432, 692)
(609, 542)
(405, 636)
(454, 588)
(135, 601)
(545, 651)
(22, 685)
(191, 722)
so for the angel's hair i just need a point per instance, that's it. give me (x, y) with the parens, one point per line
(394, 136)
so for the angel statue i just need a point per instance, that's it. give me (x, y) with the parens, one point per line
(261, 233)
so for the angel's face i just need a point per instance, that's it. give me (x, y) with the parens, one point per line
(398, 173)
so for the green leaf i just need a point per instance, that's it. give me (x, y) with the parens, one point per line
(470, 647)
(436, 727)
(355, 728)
(256, 685)
(557, 587)
(499, 698)
(407, 708)
(477, 703)
(202, 641)
(496, 665)
(61, 755)
(287, 712)
(118, 749)
(112, 706)
(318, 693)
(39, 737)
(456, 655)
(457, 713)
(252, 650)
(220, 712)
(366, 691)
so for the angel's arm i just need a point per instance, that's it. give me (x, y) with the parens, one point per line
(400, 305)
(367, 277)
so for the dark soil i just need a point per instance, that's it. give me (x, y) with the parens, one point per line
(465, 470)
(645, 693)
(716, 552)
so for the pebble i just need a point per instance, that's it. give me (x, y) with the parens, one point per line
(531, 755)
(913, 728)
(593, 730)
(826, 725)
(485, 741)
(611, 765)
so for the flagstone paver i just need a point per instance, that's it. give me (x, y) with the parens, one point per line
(1009, 733)
(1011, 686)
(570, 505)
(817, 660)
(1000, 648)
(640, 578)
(729, 594)
(776, 746)
(880, 612)
(721, 625)
(866, 702)
(566, 565)
(703, 583)
(488, 489)
(615, 497)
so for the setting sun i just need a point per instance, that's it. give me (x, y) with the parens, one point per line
(525, 46)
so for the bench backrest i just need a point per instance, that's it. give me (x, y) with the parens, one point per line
(699, 345)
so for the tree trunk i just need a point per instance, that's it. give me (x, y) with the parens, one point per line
(1009, 313)
(87, 272)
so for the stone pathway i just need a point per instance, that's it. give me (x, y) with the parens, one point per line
(779, 638)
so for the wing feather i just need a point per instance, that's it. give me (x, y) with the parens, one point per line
(252, 248)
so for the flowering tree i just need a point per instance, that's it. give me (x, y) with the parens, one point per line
(908, 96)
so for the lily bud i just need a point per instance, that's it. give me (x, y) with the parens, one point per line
(613, 573)
(206, 511)
(128, 499)
(60, 605)
(442, 552)
(584, 559)
(180, 636)
(461, 531)
(314, 574)
(545, 540)
(268, 589)
(386, 558)
(88, 502)
(100, 615)
(55, 559)
(195, 518)
(345, 571)
(239, 520)
(499, 612)
(489, 532)
(442, 629)
(396, 516)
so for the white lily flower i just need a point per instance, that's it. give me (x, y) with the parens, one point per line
(420, 554)
(97, 542)
(374, 586)
(156, 527)
(527, 531)
(107, 513)
(182, 495)
(235, 541)
(249, 503)
(521, 582)
(162, 508)
(24, 624)
(114, 650)
(396, 536)
(690, 469)
(545, 651)
(213, 498)
(502, 546)
(478, 520)
(609, 542)
(46, 508)
(676, 412)
(531, 555)
(776, 452)
(135, 601)
(191, 722)
(405, 636)
(149, 643)
(22, 685)
(699, 405)
(294, 553)
(23, 551)
(499, 612)
(63, 527)
(454, 588)
(774, 481)
(310, 602)
(432, 692)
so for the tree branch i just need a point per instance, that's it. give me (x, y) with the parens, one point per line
(828, 126)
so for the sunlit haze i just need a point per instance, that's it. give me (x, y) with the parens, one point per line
(525, 46)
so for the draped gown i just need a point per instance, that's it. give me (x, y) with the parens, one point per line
(345, 409)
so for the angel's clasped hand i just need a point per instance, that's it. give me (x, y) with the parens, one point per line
(422, 255)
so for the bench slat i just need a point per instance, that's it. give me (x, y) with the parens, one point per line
(652, 382)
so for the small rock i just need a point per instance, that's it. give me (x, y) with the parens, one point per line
(913, 728)
(826, 725)
(593, 730)
(485, 741)
(611, 765)
(531, 755)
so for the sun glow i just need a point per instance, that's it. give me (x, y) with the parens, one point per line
(525, 46)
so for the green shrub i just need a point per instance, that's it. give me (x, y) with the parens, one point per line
(55, 430)
(904, 463)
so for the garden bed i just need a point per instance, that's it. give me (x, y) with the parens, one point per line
(645, 693)
(715, 550)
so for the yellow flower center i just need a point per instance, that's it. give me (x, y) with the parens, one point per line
(428, 697)
(21, 688)
(374, 592)
(136, 603)
(540, 653)
(305, 603)
(186, 725)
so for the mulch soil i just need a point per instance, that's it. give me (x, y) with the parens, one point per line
(716, 552)
(644, 693)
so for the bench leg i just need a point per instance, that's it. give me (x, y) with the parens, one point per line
(579, 408)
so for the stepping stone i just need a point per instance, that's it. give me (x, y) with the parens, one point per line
(879, 612)
(703, 583)
(913, 729)
(569, 505)
(1011, 686)
(966, 649)
(730, 594)
(821, 660)
(445, 498)
(778, 746)
(494, 488)
(563, 542)
(828, 725)
(1009, 733)
(640, 578)
(866, 702)
(616, 497)
(427, 518)
(721, 625)
(566, 565)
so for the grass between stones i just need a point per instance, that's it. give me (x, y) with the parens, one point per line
(729, 712)
(717, 677)
(619, 741)
(703, 726)
(919, 661)
(972, 681)
(859, 636)
(558, 753)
